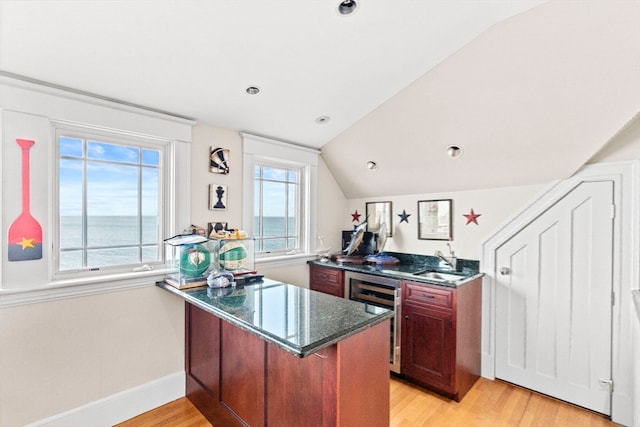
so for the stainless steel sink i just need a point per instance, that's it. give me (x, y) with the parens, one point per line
(442, 277)
(434, 276)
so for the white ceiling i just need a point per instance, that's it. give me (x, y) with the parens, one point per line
(196, 58)
(393, 77)
(530, 101)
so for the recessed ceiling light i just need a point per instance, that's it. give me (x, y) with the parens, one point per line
(454, 151)
(323, 119)
(372, 166)
(253, 90)
(347, 7)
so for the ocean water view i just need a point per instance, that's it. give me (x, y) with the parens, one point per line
(122, 240)
(269, 236)
(104, 235)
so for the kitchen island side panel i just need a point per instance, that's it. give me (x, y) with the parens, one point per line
(363, 378)
(258, 383)
(468, 335)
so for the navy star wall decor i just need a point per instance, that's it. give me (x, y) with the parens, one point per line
(404, 216)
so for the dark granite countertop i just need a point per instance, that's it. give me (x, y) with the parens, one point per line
(414, 268)
(298, 320)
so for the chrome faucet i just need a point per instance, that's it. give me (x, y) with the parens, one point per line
(449, 260)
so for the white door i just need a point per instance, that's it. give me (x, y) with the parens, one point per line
(554, 300)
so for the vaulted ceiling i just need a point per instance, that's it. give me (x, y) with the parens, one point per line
(529, 101)
(529, 89)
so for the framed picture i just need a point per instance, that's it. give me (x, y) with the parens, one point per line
(215, 228)
(217, 197)
(379, 213)
(434, 220)
(218, 160)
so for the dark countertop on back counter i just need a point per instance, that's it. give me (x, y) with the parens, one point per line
(414, 268)
(298, 320)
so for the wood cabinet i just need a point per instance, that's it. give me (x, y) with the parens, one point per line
(441, 336)
(327, 280)
(236, 378)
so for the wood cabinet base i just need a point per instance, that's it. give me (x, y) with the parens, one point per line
(236, 379)
(441, 336)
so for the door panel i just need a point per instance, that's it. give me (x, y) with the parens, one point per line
(553, 309)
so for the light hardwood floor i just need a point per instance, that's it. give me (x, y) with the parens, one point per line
(488, 403)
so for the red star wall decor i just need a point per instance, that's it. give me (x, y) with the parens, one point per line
(355, 217)
(472, 217)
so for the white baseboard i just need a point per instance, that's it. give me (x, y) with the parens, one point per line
(487, 366)
(120, 406)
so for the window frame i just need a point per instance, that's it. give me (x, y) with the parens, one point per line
(120, 137)
(261, 150)
(299, 202)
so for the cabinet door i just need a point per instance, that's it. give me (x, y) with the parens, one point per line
(230, 389)
(242, 377)
(203, 348)
(428, 347)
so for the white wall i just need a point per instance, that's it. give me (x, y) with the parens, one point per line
(331, 201)
(204, 137)
(59, 355)
(59, 352)
(494, 205)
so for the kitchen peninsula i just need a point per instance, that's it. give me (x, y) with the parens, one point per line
(269, 353)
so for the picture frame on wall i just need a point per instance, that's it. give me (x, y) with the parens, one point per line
(434, 220)
(219, 160)
(378, 213)
(217, 197)
(215, 229)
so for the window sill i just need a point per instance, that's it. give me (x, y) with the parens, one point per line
(71, 288)
(284, 260)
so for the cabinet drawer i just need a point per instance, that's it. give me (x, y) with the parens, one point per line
(327, 280)
(428, 296)
(326, 276)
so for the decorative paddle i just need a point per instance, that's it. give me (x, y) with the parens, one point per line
(25, 233)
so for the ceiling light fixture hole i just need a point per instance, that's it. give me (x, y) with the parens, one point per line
(454, 151)
(253, 90)
(323, 119)
(347, 7)
(372, 166)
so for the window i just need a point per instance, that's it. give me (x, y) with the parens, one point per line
(279, 197)
(109, 201)
(276, 207)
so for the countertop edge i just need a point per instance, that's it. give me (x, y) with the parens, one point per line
(297, 351)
